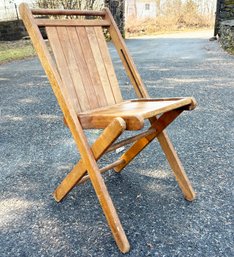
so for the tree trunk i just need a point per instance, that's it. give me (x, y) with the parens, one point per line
(117, 9)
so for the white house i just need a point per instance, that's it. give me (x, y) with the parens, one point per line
(140, 9)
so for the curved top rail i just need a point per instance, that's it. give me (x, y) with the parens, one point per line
(67, 12)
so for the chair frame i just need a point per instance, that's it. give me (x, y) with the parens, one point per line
(87, 168)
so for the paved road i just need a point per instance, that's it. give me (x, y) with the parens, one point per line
(36, 151)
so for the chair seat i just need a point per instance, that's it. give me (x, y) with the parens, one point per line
(133, 111)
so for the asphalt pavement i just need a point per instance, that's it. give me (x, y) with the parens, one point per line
(37, 151)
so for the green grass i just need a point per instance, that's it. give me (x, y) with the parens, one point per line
(15, 50)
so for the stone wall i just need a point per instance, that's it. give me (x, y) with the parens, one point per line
(12, 30)
(227, 35)
(225, 11)
(224, 26)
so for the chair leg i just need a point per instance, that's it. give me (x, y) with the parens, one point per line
(109, 210)
(176, 166)
(109, 135)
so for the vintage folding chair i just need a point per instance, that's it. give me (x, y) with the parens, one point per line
(82, 76)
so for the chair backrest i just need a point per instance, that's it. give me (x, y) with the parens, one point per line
(85, 66)
(83, 62)
(79, 62)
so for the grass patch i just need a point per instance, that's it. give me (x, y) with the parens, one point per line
(15, 50)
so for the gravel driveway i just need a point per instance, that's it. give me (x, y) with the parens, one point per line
(36, 151)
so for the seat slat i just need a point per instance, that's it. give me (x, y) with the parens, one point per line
(62, 65)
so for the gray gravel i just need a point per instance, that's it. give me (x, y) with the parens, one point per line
(36, 151)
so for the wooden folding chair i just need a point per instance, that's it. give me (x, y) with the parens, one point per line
(82, 76)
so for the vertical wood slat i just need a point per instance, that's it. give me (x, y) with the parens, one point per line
(108, 64)
(62, 66)
(100, 65)
(76, 76)
(89, 93)
(87, 55)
